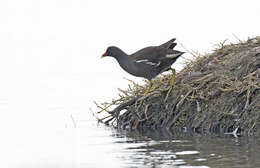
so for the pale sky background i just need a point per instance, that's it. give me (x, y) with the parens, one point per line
(50, 66)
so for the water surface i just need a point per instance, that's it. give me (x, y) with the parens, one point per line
(158, 148)
(86, 144)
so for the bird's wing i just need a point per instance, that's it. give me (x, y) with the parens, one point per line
(156, 55)
(149, 55)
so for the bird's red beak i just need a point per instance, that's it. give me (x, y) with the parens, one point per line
(105, 54)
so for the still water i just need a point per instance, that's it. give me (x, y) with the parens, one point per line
(158, 148)
(87, 144)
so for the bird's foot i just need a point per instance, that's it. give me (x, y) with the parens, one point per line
(148, 89)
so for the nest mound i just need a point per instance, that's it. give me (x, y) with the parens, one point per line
(218, 92)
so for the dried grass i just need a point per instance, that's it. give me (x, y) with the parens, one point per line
(214, 92)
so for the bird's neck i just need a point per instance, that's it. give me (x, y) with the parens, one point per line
(120, 56)
(123, 59)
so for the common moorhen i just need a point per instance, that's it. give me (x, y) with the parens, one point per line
(147, 62)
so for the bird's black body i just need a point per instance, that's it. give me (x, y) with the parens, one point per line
(147, 62)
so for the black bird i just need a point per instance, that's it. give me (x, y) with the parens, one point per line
(147, 62)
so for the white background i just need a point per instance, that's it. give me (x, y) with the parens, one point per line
(50, 66)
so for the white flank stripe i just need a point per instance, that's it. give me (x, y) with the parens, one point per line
(150, 63)
(141, 61)
(171, 55)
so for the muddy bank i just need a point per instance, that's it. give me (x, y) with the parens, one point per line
(217, 92)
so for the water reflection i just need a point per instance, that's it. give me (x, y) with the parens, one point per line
(92, 146)
(159, 148)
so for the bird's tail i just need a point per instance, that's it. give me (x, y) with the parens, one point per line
(172, 45)
(180, 53)
(174, 54)
(169, 44)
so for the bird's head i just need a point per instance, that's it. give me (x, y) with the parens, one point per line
(115, 52)
(111, 51)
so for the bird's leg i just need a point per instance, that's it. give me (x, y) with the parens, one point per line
(173, 77)
(148, 88)
(171, 84)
